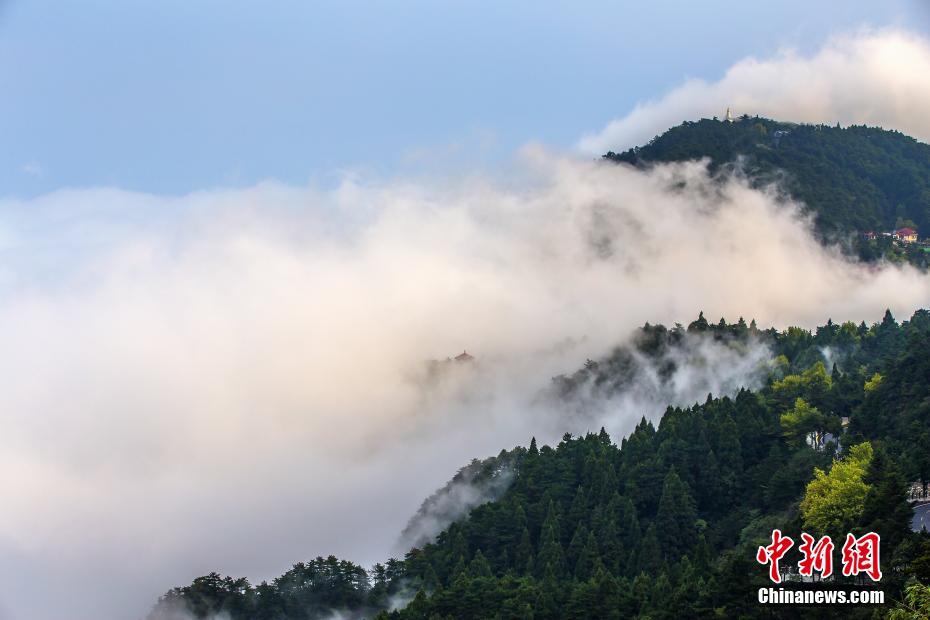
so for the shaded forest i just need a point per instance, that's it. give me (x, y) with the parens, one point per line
(852, 180)
(665, 523)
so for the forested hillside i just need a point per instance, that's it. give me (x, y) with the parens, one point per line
(665, 523)
(853, 179)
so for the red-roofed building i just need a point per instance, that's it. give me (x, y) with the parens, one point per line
(907, 235)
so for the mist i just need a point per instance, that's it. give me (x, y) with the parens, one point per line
(234, 380)
(680, 375)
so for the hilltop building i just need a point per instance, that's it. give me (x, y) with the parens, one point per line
(907, 235)
(464, 357)
(902, 235)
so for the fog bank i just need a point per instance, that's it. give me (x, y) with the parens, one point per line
(234, 380)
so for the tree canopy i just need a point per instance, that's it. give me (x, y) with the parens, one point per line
(852, 178)
(665, 523)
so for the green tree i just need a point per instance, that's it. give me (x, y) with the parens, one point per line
(885, 508)
(833, 502)
(915, 606)
(551, 557)
(804, 423)
(874, 381)
(675, 520)
(813, 385)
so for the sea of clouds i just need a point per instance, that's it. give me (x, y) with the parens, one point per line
(234, 380)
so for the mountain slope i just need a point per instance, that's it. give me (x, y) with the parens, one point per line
(663, 525)
(852, 179)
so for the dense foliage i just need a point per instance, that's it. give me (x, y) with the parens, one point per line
(665, 524)
(852, 179)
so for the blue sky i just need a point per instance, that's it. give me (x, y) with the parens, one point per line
(175, 96)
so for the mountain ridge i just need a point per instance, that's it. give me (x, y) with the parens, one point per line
(664, 524)
(852, 179)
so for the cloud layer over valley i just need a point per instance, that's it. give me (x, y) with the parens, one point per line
(235, 380)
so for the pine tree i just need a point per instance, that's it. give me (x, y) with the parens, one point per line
(613, 553)
(533, 451)
(675, 520)
(886, 509)
(700, 325)
(589, 560)
(650, 558)
(579, 508)
(551, 556)
(479, 566)
(524, 553)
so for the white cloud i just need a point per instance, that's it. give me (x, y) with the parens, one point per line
(232, 380)
(870, 77)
